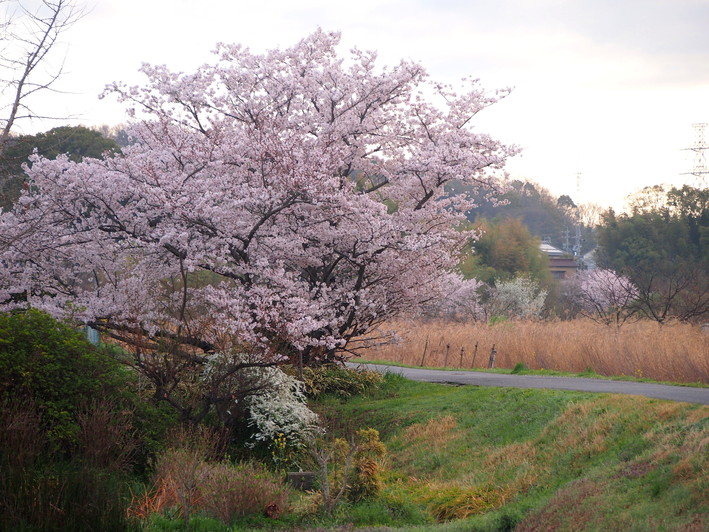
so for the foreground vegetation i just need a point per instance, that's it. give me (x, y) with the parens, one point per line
(477, 459)
(675, 352)
(84, 447)
(539, 460)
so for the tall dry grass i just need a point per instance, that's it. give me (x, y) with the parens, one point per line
(676, 352)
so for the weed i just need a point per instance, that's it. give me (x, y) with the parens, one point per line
(678, 350)
(454, 502)
(520, 367)
(340, 382)
(188, 482)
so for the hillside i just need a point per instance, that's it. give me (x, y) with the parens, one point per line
(500, 459)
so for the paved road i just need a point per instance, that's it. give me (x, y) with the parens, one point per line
(658, 391)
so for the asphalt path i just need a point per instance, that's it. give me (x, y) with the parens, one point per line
(579, 384)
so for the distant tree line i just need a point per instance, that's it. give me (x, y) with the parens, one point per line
(547, 217)
(662, 246)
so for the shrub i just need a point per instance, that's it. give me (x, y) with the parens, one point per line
(280, 411)
(21, 437)
(348, 467)
(366, 480)
(232, 491)
(67, 428)
(53, 366)
(187, 483)
(107, 438)
(67, 496)
(338, 381)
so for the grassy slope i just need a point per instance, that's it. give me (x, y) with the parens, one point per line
(540, 460)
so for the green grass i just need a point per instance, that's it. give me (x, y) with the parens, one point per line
(494, 458)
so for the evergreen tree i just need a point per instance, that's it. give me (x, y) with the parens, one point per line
(662, 246)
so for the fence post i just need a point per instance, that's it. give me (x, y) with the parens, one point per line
(493, 352)
(475, 353)
(462, 354)
(445, 362)
(423, 357)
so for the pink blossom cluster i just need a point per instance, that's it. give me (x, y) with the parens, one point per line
(291, 200)
(604, 296)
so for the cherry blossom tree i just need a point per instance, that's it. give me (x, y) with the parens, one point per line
(463, 303)
(604, 296)
(278, 205)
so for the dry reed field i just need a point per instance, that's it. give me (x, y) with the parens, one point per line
(676, 352)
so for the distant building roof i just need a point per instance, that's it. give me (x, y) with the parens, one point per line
(551, 250)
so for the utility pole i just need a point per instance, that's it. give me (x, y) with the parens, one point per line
(577, 234)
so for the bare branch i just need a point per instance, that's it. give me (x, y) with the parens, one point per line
(29, 38)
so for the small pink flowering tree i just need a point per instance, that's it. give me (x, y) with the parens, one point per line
(272, 207)
(605, 296)
(463, 303)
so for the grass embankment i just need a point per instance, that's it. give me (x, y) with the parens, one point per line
(674, 352)
(492, 459)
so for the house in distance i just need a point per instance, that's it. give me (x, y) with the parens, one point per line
(561, 265)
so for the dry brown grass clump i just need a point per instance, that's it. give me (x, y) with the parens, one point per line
(187, 479)
(676, 352)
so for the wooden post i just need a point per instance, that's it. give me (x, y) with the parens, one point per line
(493, 352)
(475, 353)
(462, 354)
(445, 362)
(423, 357)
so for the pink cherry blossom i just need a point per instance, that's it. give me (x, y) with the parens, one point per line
(289, 202)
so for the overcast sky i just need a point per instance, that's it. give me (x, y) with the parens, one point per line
(604, 89)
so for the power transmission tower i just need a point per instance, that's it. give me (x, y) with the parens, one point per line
(699, 170)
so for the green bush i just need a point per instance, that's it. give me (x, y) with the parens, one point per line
(519, 368)
(68, 429)
(338, 381)
(52, 365)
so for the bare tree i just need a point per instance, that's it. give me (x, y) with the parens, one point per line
(589, 214)
(28, 36)
(678, 291)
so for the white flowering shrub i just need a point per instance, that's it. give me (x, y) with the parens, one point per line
(280, 411)
(263, 399)
(518, 298)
